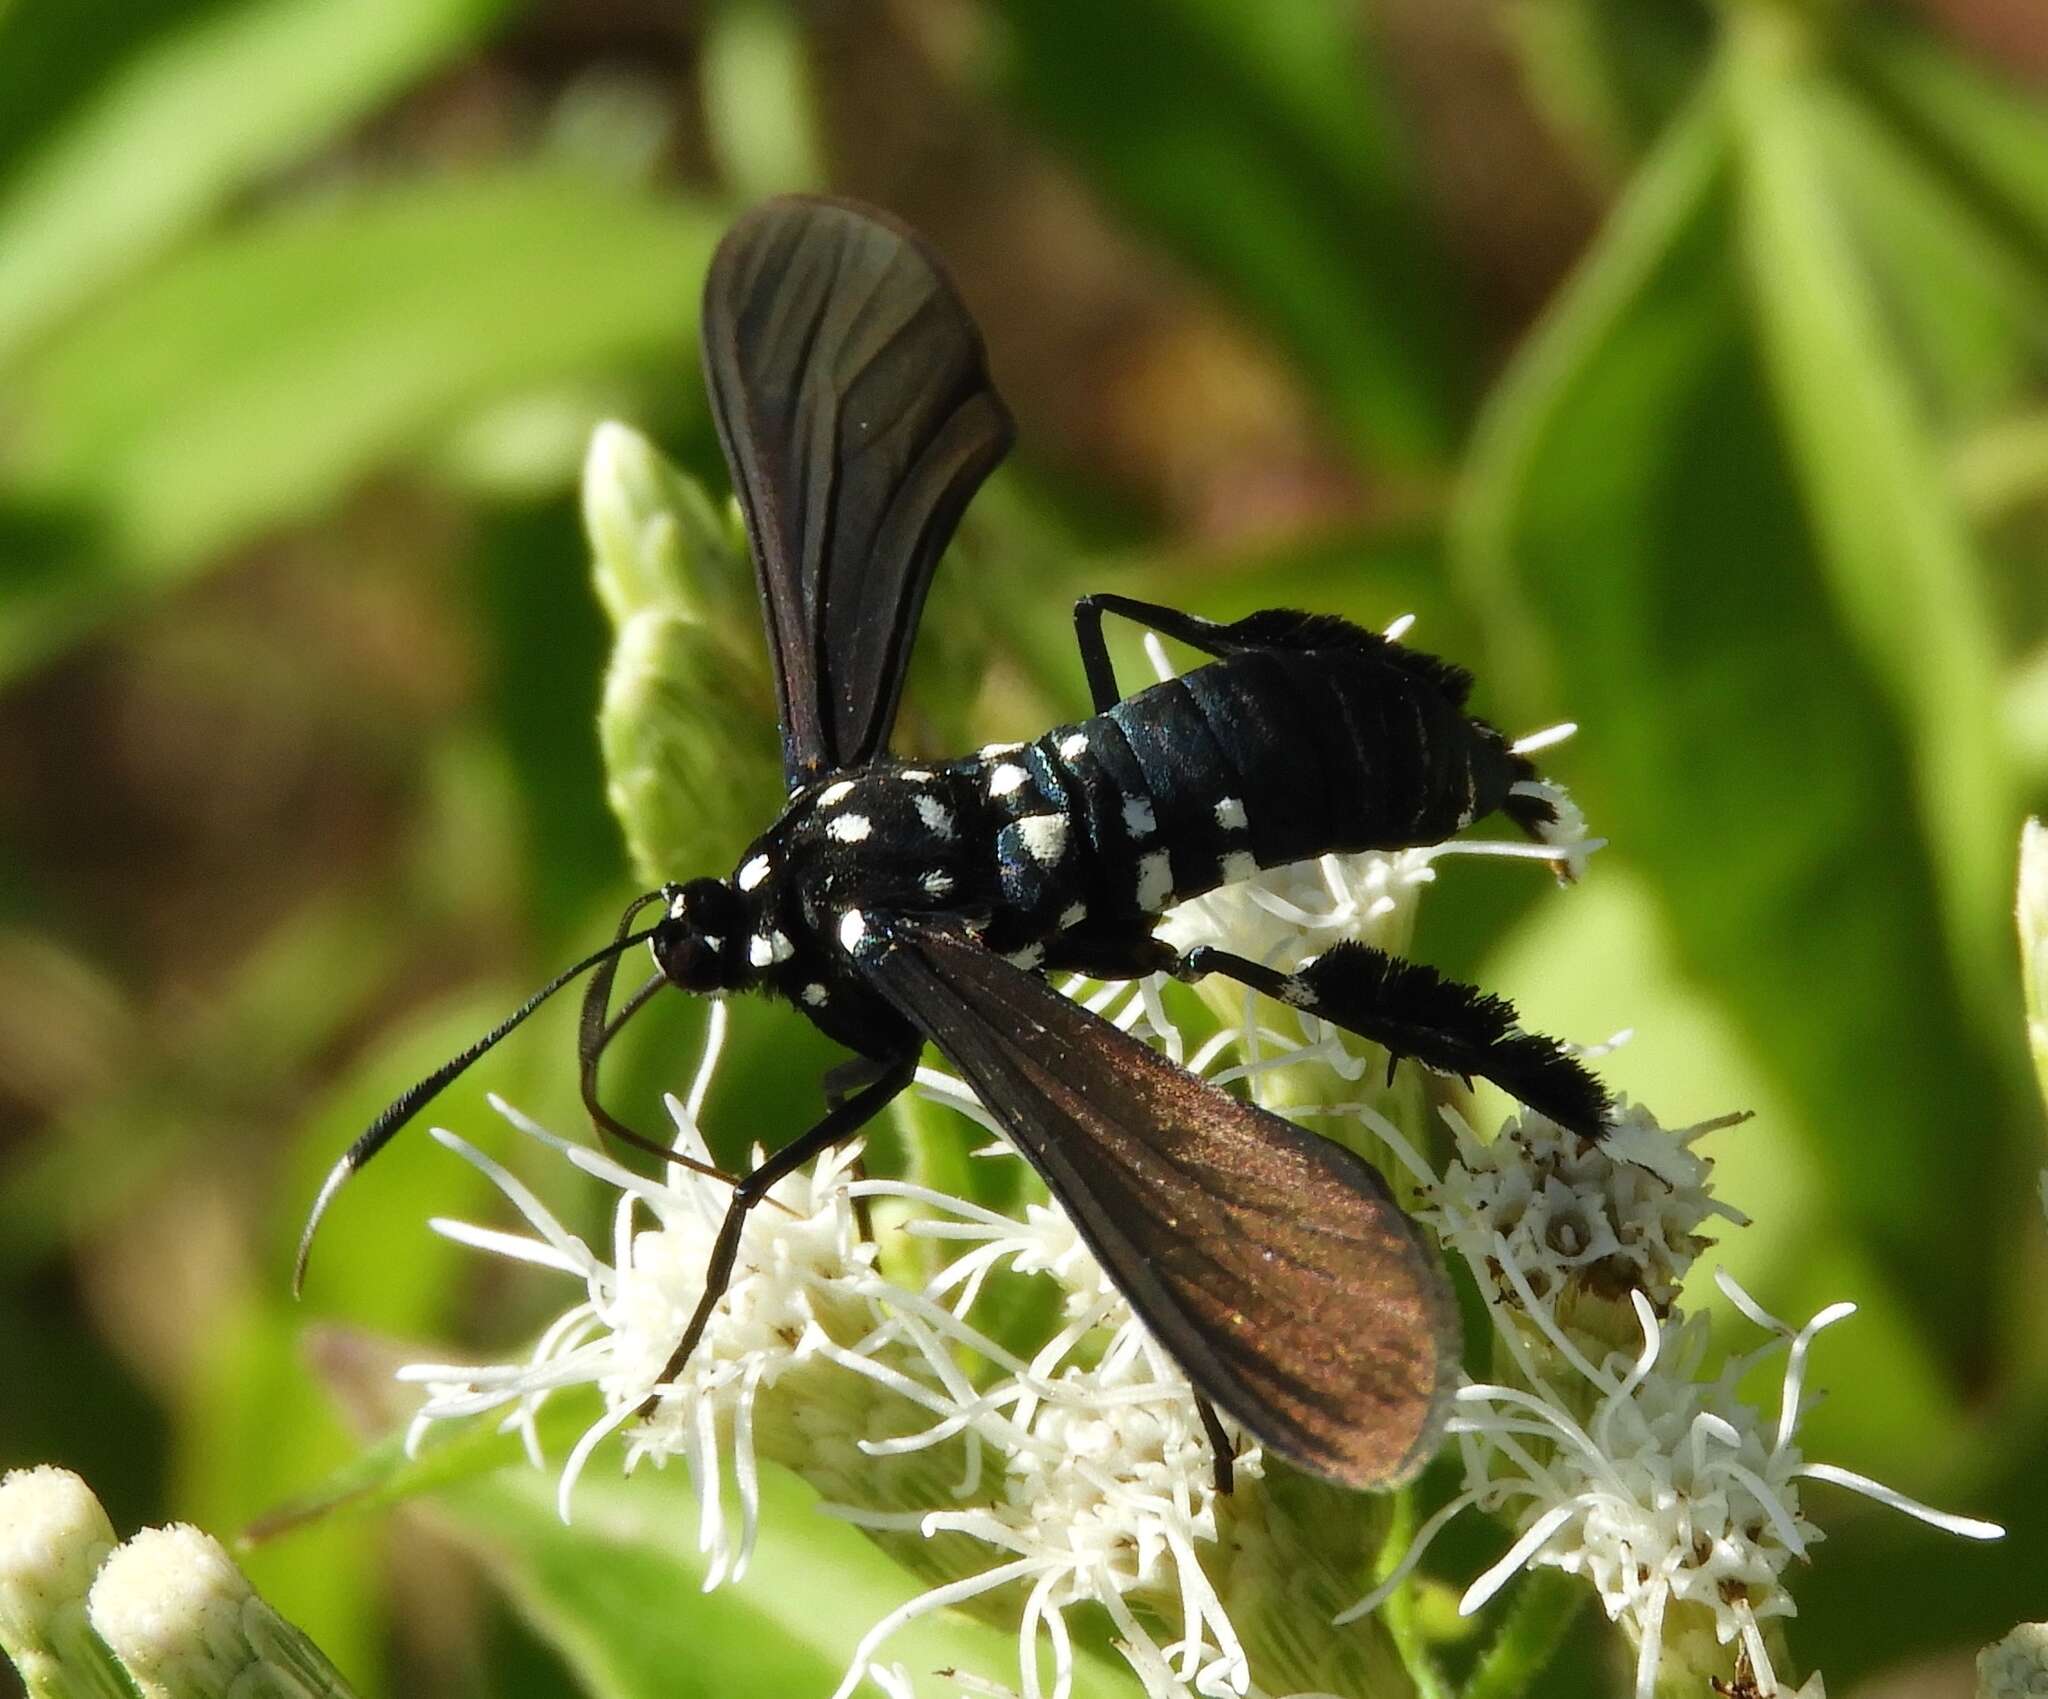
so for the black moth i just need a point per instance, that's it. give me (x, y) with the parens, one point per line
(895, 904)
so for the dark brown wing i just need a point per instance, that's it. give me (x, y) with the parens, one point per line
(1271, 1262)
(853, 402)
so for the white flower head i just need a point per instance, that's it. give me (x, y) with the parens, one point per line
(171, 1603)
(1625, 1456)
(800, 1259)
(2017, 1666)
(53, 1538)
(186, 1624)
(1107, 1490)
(1653, 1480)
(1283, 916)
(1608, 1217)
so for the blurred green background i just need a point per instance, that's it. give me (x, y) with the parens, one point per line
(1681, 365)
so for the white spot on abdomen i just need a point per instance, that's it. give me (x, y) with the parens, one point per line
(849, 828)
(1139, 820)
(1072, 917)
(834, 794)
(1045, 837)
(1007, 778)
(937, 817)
(1239, 864)
(815, 995)
(1230, 814)
(937, 883)
(754, 872)
(765, 948)
(853, 927)
(1074, 744)
(1155, 881)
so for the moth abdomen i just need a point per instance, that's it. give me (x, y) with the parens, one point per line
(1264, 758)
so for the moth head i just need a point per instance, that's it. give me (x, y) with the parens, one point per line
(699, 944)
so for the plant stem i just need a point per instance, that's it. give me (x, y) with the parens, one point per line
(1544, 1606)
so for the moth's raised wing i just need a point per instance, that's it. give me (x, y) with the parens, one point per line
(1272, 1263)
(853, 402)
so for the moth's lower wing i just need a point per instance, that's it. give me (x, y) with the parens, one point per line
(1272, 1263)
(853, 401)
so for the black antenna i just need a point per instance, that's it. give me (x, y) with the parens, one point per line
(409, 1103)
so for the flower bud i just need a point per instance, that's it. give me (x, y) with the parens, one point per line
(691, 760)
(187, 1624)
(53, 1536)
(656, 539)
(687, 724)
(2017, 1666)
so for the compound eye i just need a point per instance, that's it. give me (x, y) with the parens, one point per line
(686, 956)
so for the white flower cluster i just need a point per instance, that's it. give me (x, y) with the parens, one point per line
(1614, 1443)
(1608, 1219)
(801, 1264)
(165, 1614)
(1642, 1470)
(1103, 1486)
(1107, 1487)
(2017, 1666)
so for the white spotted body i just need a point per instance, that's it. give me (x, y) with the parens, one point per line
(1062, 853)
(894, 905)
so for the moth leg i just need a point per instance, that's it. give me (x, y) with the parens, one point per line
(842, 1080)
(1191, 629)
(1222, 1454)
(1276, 629)
(845, 1078)
(1413, 1011)
(840, 1123)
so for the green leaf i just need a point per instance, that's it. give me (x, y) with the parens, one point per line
(251, 1425)
(261, 375)
(1635, 522)
(1541, 1605)
(1986, 136)
(1891, 544)
(255, 1423)
(1963, 1593)
(211, 99)
(1965, 309)
(1253, 140)
(1611, 73)
(619, 1593)
(386, 1474)
(758, 107)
